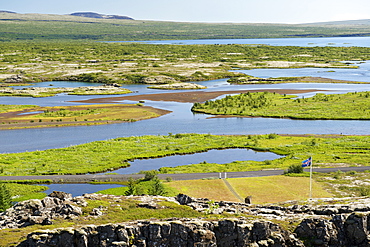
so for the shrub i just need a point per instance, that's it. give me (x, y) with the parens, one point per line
(295, 169)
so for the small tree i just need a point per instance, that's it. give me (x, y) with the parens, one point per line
(131, 187)
(157, 188)
(5, 198)
(150, 175)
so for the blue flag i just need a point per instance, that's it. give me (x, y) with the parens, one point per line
(307, 162)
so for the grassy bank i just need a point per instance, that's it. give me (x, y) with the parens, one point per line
(321, 106)
(99, 156)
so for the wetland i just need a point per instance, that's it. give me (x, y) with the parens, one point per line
(137, 73)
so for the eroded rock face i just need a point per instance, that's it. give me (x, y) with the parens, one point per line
(346, 224)
(229, 232)
(340, 230)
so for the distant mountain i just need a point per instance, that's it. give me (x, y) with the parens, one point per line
(347, 22)
(5, 11)
(100, 16)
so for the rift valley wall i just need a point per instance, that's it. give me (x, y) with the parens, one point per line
(321, 223)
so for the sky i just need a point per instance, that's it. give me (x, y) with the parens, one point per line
(234, 11)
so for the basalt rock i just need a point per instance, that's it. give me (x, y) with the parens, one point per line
(324, 222)
(227, 233)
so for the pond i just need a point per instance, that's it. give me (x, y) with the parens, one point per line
(79, 189)
(212, 156)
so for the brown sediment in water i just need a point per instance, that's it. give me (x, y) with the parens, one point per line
(190, 97)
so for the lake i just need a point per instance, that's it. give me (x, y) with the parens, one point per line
(306, 42)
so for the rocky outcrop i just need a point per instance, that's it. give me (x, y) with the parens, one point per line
(160, 79)
(340, 230)
(31, 212)
(185, 232)
(253, 80)
(14, 79)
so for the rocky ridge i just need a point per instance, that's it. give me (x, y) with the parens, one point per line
(322, 222)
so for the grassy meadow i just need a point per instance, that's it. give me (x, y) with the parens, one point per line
(321, 106)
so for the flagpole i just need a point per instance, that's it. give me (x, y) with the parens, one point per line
(311, 178)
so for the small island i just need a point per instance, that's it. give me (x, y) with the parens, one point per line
(48, 92)
(349, 106)
(28, 116)
(178, 86)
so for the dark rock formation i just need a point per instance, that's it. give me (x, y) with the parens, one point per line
(14, 79)
(229, 232)
(100, 16)
(324, 222)
(340, 230)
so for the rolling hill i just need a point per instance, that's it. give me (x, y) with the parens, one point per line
(81, 26)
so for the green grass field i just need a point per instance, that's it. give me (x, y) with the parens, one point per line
(271, 189)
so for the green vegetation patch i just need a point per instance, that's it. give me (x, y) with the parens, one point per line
(321, 106)
(9, 108)
(21, 192)
(99, 156)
